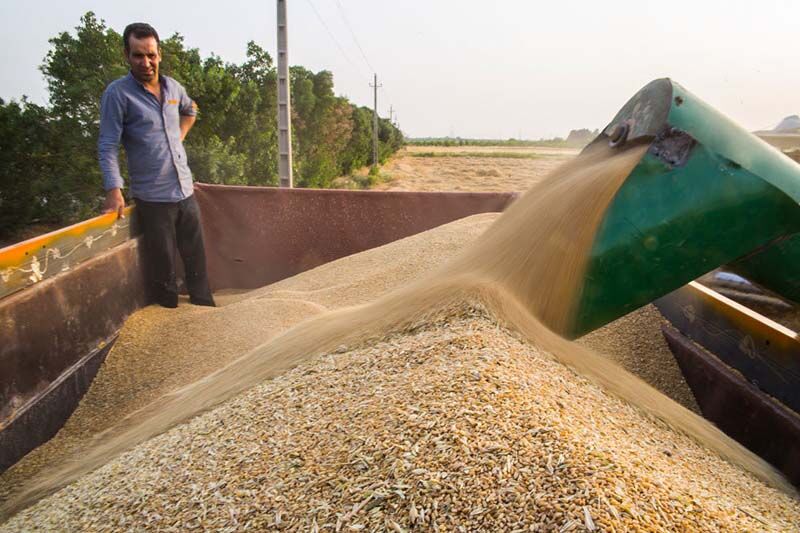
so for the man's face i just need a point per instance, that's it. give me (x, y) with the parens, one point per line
(143, 56)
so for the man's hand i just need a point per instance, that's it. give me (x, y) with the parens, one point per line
(115, 203)
(186, 123)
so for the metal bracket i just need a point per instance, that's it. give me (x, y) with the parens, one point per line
(673, 146)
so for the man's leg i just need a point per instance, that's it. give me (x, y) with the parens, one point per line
(192, 250)
(158, 228)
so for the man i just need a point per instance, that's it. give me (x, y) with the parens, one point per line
(151, 115)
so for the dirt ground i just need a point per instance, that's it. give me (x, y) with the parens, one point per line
(471, 168)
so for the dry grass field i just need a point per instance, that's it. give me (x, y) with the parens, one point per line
(471, 168)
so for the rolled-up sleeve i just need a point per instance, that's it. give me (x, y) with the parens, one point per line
(187, 105)
(112, 117)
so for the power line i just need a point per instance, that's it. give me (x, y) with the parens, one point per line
(339, 46)
(349, 27)
(330, 33)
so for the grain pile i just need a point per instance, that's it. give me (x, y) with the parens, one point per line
(161, 350)
(454, 423)
(530, 260)
(636, 343)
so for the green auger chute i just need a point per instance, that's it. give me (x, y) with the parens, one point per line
(706, 193)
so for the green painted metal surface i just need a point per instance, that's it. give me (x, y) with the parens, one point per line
(777, 267)
(706, 193)
(728, 139)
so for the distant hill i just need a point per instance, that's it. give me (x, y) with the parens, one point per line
(582, 137)
(785, 136)
(790, 124)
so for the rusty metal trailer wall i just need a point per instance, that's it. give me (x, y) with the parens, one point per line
(739, 408)
(56, 335)
(256, 236)
(743, 369)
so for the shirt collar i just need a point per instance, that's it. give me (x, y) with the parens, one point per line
(161, 79)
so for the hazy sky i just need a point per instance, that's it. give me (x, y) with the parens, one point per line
(475, 69)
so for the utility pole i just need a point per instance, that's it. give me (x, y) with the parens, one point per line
(284, 100)
(391, 109)
(375, 123)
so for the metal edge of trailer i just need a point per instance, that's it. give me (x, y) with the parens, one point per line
(37, 259)
(56, 335)
(41, 417)
(743, 369)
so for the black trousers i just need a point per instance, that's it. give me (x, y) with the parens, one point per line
(167, 227)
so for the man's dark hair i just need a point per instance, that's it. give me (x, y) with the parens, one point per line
(140, 30)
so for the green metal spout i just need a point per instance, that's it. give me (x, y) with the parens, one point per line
(706, 193)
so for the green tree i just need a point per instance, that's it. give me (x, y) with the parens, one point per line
(78, 68)
(24, 131)
(358, 152)
(255, 118)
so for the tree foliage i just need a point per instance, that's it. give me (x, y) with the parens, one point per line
(48, 154)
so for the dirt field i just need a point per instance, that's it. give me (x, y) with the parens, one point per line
(471, 168)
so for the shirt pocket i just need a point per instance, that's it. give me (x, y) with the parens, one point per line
(171, 109)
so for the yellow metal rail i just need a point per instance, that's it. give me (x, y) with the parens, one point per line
(42, 257)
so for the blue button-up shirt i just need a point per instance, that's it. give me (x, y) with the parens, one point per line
(150, 132)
